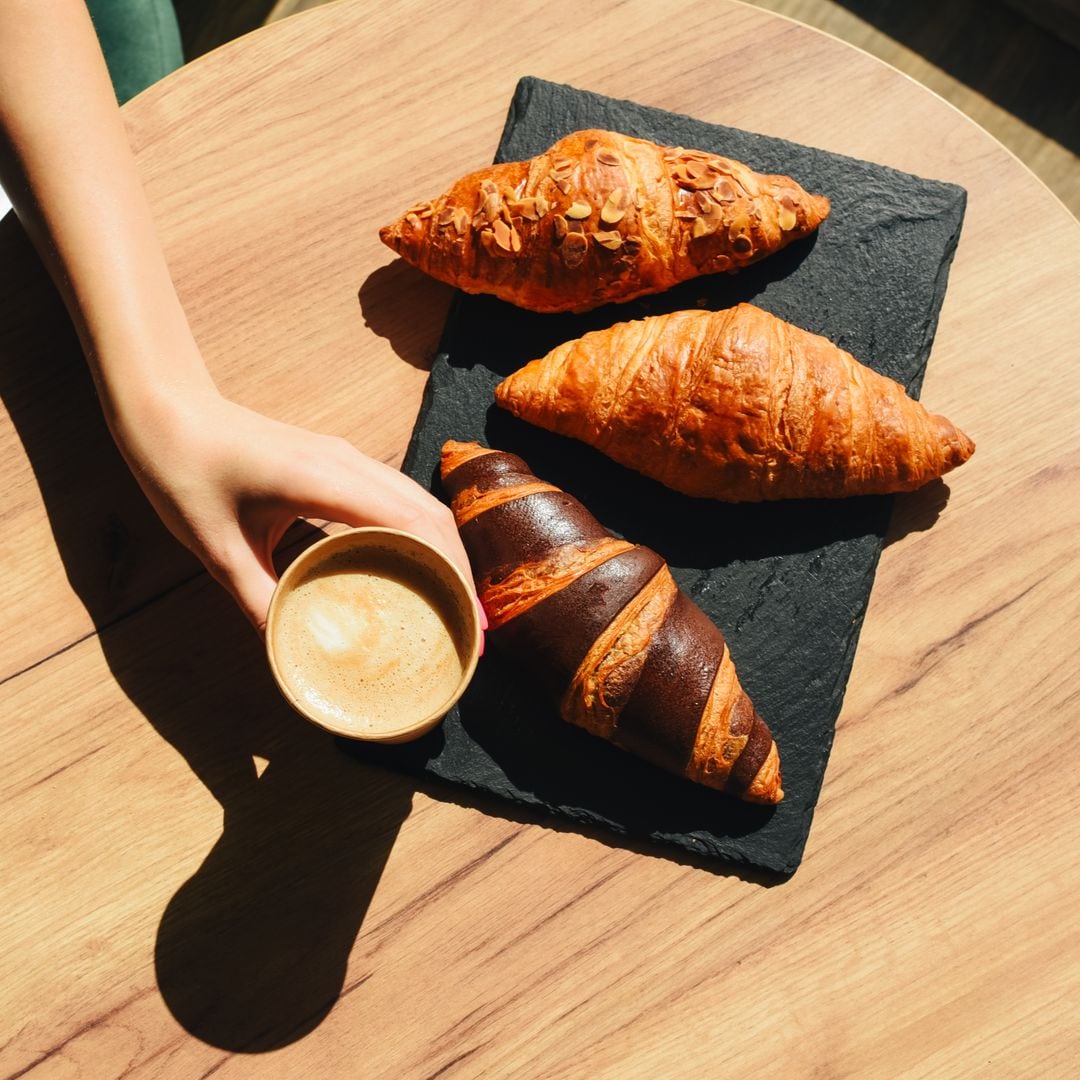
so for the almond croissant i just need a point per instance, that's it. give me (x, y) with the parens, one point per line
(601, 218)
(608, 632)
(736, 405)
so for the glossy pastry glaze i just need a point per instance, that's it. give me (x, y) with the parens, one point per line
(736, 405)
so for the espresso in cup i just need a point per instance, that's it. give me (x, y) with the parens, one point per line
(373, 634)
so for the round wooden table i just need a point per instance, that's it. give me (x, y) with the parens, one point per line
(194, 880)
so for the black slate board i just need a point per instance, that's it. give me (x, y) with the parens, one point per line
(788, 583)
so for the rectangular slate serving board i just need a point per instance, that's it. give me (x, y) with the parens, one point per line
(787, 583)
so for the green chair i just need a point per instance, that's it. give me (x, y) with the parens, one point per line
(140, 40)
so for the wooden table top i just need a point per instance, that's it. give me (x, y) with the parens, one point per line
(195, 881)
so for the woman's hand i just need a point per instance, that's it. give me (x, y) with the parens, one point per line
(228, 482)
(225, 480)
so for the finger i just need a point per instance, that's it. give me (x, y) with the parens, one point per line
(251, 585)
(361, 491)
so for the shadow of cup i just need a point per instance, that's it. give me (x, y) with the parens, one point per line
(251, 951)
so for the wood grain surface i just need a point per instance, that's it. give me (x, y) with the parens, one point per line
(195, 881)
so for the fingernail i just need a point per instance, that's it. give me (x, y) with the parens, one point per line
(483, 624)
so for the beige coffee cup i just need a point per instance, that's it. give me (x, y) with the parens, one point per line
(373, 634)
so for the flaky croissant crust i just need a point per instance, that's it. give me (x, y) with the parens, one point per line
(599, 218)
(736, 405)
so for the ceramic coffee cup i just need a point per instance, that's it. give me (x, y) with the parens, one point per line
(373, 634)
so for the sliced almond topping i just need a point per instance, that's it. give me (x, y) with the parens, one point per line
(515, 240)
(684, 178)
(703, 227)
(611, 240)
(563, 164)
(446, 215)
(613, 210)
(502, 235)
(491, 206)
(562, 184)
(786, 219)
(574, 249)
(606, 157)
(461, 221)
(724, 191)
(747, 182)
(542, 206)
(560, 227)
(579, 210)
(487, 238)
(686, 215)
(413, 220)
(489, 187)
(525, 208)
(695, 169)
(704, 201)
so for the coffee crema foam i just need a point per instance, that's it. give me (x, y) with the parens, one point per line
(370, 641)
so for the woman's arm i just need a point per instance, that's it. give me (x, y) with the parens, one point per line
(225, 480)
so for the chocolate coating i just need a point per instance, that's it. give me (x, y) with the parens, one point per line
(486, 472)
(522, 530)
(753, 756)
(742, 716)
(554, 635)
(660, 721)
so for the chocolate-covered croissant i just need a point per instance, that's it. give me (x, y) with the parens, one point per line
(600, 218)
(605, 629)
(736, 405)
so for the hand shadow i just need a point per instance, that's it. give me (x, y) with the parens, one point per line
(252, 950)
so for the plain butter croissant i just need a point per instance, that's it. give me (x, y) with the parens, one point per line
(601, 218)
(736, 405)
(606, 630)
